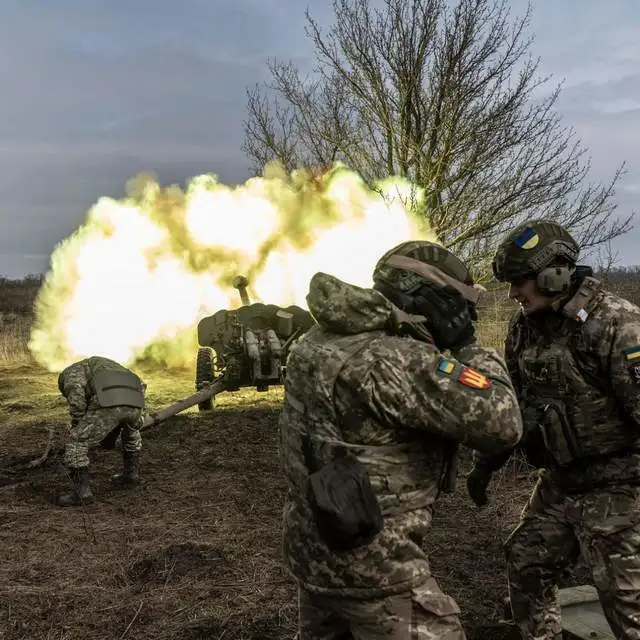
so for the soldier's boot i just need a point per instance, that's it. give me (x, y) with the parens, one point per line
(80, 492)
(131, 471)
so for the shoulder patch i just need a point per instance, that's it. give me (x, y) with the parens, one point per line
(634, 372)
(446, 367)
(464, 375)
(528, 239)
(474, 379)
(632, 353)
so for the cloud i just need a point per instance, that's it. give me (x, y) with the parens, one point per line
(94, 92)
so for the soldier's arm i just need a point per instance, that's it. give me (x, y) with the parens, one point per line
(493, 462)
(74, 386)
(410, 384)
(619, 354)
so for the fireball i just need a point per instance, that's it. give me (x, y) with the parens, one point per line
(134, 280)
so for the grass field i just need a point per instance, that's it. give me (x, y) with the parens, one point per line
(194, 552)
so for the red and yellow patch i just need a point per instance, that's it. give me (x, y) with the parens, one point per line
(474, 379)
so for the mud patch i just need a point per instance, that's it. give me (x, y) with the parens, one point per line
(178, 561)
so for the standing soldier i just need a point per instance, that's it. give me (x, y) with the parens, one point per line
(373, 414)
(573, 352)
(105, 400)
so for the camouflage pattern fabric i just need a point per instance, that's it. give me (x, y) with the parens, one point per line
(589, 371)
(90, 423)
(425, 613)
(604, 526)
(412, 403)
(95, 426)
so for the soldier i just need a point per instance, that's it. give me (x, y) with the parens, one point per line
(573, 352)
(372, 416)
(105, 400)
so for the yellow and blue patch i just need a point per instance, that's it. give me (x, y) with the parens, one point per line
(528, 239)
(446, 366)
(632, 353)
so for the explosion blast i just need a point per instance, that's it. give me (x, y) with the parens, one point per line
(133, 281)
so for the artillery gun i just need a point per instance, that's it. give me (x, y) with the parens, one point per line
(247, 346)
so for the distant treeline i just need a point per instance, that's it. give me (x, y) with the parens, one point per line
(17, 296)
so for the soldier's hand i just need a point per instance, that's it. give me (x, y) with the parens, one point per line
(477, 482)
(448, 317)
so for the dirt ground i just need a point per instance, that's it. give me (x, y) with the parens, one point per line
(194, 552)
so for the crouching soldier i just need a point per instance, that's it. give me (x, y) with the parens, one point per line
(106, 400)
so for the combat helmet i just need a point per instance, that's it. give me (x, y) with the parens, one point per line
(408, 265)
(542, 250)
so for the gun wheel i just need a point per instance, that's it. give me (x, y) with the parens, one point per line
(204, 375)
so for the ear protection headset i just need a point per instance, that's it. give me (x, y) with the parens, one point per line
(554, 280)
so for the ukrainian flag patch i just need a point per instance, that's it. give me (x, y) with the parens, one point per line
(528, 239)
(632, 353)
(474, 379)
(446, 366)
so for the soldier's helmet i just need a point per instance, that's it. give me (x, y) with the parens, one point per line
(532, 247)
(407, 281)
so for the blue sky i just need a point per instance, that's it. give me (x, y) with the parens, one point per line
(95, 91)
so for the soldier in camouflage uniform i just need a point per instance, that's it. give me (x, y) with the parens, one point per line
(372, 378)
(105, 400)
(573, 352)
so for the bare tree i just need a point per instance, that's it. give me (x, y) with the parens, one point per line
(447, 97)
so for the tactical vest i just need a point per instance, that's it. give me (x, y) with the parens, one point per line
(309, 409)
(117, 387)
(577, 414)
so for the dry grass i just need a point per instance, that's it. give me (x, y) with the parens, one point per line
(14, 337)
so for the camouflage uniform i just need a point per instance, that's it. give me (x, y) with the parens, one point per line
(96, 421)
(413, 403)
(576, 369)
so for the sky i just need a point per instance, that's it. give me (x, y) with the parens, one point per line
(95, 91)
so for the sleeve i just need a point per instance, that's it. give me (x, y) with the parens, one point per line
(74, 385)
(468, 399)
(619, 356)
(493, 462)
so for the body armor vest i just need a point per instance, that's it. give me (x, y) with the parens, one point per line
(309, 408)
(117, 387)
(565, 394)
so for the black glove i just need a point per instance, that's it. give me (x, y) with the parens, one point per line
(477, 482)
(449, 316)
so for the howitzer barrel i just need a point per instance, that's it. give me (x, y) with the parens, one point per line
(241, 283)
(199, 396)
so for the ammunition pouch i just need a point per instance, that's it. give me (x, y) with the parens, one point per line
(559, 435)
(344, 506)
(118, 389)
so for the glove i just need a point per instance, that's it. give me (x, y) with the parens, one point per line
(477, 482)
(449, 318)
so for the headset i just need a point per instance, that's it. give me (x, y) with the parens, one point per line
(555, 280)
